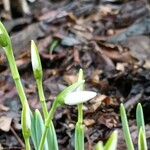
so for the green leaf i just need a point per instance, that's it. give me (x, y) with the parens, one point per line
(126, 130)
(142, 144)
(99, 146)
(79, 136)
(52, 138)
(39, 127)
(112, 141)
(37, 130)
(140, 117)
(33, 132)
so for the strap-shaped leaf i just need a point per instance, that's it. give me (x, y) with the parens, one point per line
(79, 136)
(33, 132)
(112, 141)
(142, 144)
(99, 146)
(140, 117)
(52, 138)
(126, 130)
(37, 129)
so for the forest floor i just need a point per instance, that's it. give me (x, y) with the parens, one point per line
(108, 39)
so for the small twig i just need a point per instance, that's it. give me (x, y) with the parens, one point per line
(17, 137)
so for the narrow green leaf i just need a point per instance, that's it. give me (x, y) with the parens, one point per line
(79, 136)
(126, 130)
(37, 128)
(52, 138)
(142, 144)
(99, 146)
(112, 141)
(33, 132)
(140, 117)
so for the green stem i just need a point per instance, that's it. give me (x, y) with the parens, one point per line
(47, 123)
(20, 90)
(27, 143)
(80, 113)
(16, 76)
(42, 97)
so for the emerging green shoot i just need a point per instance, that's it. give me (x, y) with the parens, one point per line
(126, 130)
(142, 144)
(112, 141)
(140, 117)
(99, 146)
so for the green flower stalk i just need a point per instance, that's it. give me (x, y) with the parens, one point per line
(80, 129)
(60, 101)
(5, 43)
(38, 74)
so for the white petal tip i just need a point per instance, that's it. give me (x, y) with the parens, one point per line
(78, 97)
(34, 57)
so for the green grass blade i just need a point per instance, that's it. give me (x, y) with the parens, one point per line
(140, 117)
(79, 136)
(99, 146)
(142, 144)
(126, 130)
(33, 132)
(39, 127)
(52, 138)
(112, 142)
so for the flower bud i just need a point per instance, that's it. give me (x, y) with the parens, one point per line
(78, 97)
(36, 63)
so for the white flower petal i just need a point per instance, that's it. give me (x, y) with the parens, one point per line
(34, 58)
(28, 117)
(78, 97)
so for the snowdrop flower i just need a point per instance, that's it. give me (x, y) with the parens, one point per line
(36, 63)
(78, 97)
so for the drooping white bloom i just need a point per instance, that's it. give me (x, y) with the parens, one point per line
(78, 97)
(34, 56)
